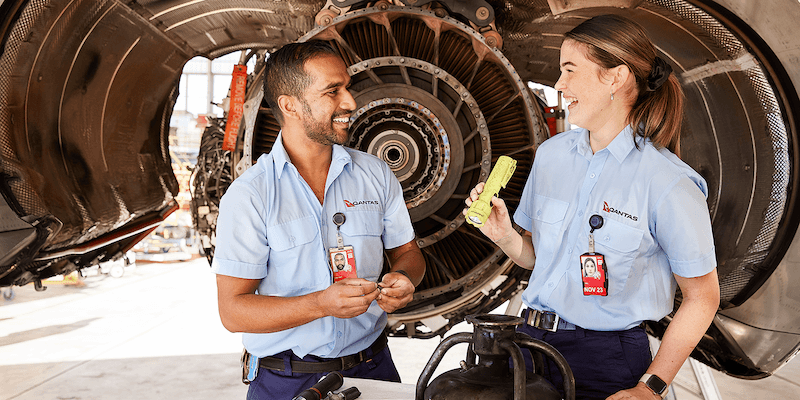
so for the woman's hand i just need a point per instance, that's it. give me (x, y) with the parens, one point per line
(640, 391)
(498, 225)
(498, 229)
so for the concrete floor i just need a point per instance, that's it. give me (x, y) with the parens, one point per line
(155, 334)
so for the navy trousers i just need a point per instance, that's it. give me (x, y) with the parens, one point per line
(603, 362)
(284, 385)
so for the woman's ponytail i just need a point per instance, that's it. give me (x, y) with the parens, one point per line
(657, 112)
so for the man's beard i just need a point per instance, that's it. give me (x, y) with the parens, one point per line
(322, 132)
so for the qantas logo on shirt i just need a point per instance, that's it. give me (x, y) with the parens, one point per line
(348, 203)
(613, 210)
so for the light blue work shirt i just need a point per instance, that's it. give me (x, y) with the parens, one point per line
(656, 223)
(272, 227)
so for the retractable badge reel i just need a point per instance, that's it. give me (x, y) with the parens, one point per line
(342, 258)
(593, 265)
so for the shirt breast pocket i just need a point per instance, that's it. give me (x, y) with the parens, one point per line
(548, 219)
(296, 266)
(363, 230)
(619, 244)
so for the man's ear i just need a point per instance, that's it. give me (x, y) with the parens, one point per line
(288, 106)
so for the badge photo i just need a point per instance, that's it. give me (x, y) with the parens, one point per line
(593, 274)
(343, 263)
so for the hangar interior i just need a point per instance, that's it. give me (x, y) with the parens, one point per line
(87, 89)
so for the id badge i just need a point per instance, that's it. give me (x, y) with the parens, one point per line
(343, 262)
(594, 274)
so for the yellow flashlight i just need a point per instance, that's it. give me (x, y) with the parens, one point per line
(479, 211)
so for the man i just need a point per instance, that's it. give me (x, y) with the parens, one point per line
(341, 265)
(282, 219)
(338, 259)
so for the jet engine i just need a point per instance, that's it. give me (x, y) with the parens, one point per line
(87, 89)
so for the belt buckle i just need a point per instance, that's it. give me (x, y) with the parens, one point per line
(555, 320)
(546, 320)
(250, 366)
(352, 361)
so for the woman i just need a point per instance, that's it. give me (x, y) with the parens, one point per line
(613, 191)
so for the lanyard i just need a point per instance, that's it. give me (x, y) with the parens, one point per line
(595, 222)
(338, 220)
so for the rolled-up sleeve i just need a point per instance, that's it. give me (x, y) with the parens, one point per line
(683, 229)
(241, 249)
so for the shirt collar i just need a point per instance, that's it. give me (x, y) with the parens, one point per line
(340, 154)
(280, 157)
(582, 144)
(620, 147)
(339, 159)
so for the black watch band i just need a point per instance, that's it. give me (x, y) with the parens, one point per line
(656, 384)
(400, 271)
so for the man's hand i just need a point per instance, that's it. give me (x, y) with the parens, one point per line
(640, 391)
(396, 291)
(348, 298)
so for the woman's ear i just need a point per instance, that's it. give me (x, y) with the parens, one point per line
(619, 77)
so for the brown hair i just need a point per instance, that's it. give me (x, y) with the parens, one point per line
(657, 112)
(285, 72)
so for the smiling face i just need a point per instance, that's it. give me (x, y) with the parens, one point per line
(326, 103)
(584, 87)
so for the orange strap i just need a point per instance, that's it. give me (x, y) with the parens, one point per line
(236, 110)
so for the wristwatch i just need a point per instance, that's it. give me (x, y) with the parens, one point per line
(400, 271)
(655, 384)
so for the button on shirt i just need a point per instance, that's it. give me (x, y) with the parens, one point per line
(656, 223)
(272, 227)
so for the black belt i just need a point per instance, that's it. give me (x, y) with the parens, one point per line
(335, 364)
(546, 320)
